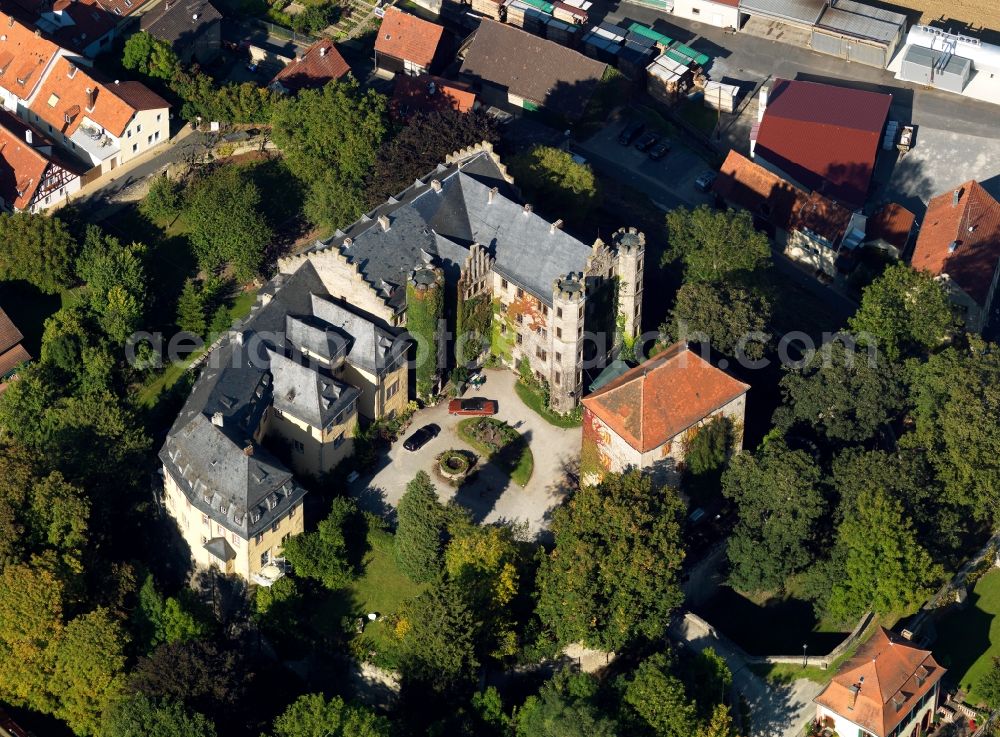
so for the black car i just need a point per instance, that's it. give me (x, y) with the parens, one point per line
(658, 151)
(705, 181)
(421, 437)
(630, 131)
(647, 141)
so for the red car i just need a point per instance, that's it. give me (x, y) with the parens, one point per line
(474, 406)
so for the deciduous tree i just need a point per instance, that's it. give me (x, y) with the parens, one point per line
(564, 707)
(732, 319)
(323, 555)
(613, 573)
(715, 246)
(38, 249)
(140, 716)
(659, 701)
(313, 715)
(150, 56)
(551, 177)
(779, 502)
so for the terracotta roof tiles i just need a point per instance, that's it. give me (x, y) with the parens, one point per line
(321, 63)
(408, 37)
(426, 93)
(890, 674)
(822, 216)
(892, 224)
(745, 184)
(823, 136)
(24, 55)
(10, 336)
(657, 400)
(973, 226)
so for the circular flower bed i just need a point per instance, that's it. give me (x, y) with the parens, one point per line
(455, 465)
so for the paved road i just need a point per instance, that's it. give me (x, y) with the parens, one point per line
(739, 54)
(776, 710)
(490, 496)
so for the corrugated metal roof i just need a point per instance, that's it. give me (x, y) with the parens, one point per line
(639, 40)
(650, 33)
(685, 55)
(863, 21)
(931, 58)
(798, 11)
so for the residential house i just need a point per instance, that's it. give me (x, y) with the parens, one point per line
(281, 393)
(821, 137)
(647, 416)
(12, 353)
(193, 28)
(890, 688)
(25, 59)
(959, 242)
(406, 43)
(428, 94)
(810, 228)
(33, 175)
(315, 67)
(890, 229)
(518, 70)
(549, 291)
(83, 26)
(102, 124)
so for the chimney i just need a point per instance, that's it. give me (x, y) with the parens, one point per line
(556, 225)
(527, 208)
(492, 194)
(436, 185)
(91, 98)
(952, 247)
(248, 451)
(72, 71)
(762, 103)
(383, 220)
(955, 196)
(27, 136)
(218, 420)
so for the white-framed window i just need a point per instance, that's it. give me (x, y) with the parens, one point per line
(393, 388)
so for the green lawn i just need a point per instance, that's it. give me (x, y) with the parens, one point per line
(515, 459)
(536, 401)
(969, 639)
(698, 116)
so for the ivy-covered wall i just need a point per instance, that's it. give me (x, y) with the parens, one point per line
(424, 308)
(501, 344)
(473, 327)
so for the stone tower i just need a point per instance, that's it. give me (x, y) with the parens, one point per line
(565, 379)
(631, 247)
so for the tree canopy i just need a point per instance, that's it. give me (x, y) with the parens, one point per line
(312, 715)
(421, 528)
(732, 319)
(323, 555)
(613, 574)
(552, 178)
(151, 56)
(38, 249)
(715, 246)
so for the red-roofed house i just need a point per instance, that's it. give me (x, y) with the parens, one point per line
(12, 353)
(406, 43)
(646, 417)
(83, 26)
(33, 176)
(823, 137)
(102, 124)
(889, 688)
(321, 63)
(429, 94)
(24, 60)
(959, 242)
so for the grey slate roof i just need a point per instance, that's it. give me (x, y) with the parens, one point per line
(440, 226)
(179, 20)
(370, 347)
(210, 451)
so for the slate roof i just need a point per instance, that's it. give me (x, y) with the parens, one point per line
(973, 225)
(405, 36)
(321, 63)
(891, 676)
(206, 450)
(534, 68)
(179, 21)
(369, 347)
(654, 402)
(307, 392)
(440, 226)
(824, 137)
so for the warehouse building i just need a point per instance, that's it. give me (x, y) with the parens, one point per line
(935, 69)
(858, 32)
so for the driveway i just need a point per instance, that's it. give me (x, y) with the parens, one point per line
(776, 709)
(490, 497)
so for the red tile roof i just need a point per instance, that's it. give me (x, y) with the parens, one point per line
(321, 63)
(824, 137)
(745, 184)
(973, 225)
(657, 400)
(891, 676)
(822, 216)
(24, 55)
(10, 360)
(22, 168)
(138, 96)
(426, 93)
(63, 100)
(10, 336)
(892, 224)
(408, 37)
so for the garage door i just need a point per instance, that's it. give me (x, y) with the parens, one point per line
(849, 48)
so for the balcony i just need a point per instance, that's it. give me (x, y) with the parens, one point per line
(269, 574)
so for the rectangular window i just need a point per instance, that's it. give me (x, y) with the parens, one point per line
(236, 540)
(291, 512)
(338, 441)
(545, 310)
(540, 353)
(559, 313)
(259, 538)
(158, 115)
(299, 447)
(519, 319)
(204, 519)
(274, 526)
(559, 332)
(135, 147)
(557, 378)
(520, 339)
(265, 557)
(393, 388)
(520, 293)
(149, 140)
(503, 284)
(138, 128)
(558, 357)
(128, 134)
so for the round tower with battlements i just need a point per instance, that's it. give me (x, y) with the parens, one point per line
(630, 245)
(566, 377)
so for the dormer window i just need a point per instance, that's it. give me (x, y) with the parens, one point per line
(898, 700)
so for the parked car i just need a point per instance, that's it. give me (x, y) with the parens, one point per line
(630, 132)
(473, 406)
(647, 141)
(705, 181)
(421, 437)
(659, 150)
